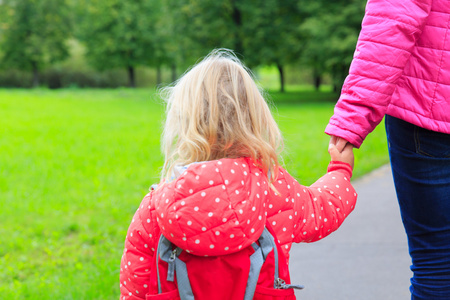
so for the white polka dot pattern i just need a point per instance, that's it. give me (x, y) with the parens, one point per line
(209, 211)
(200, 201)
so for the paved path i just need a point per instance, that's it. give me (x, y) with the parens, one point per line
(367, 258)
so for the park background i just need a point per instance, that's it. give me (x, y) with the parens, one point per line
(80, 116)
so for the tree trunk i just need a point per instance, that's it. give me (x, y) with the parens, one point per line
(336, 74)
(131, 77)
(174, 72)
(335, 88)
(35, 74)
(237, 19)
(281, 71)
(317, 79)
(158, 76)
(317, 82)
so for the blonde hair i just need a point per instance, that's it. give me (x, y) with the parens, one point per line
(216, 110)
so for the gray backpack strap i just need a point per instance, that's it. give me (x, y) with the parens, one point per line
(163, 251)
(267, 239)
(170, 256)
(184, 285)
(257, 259)
(267, 243)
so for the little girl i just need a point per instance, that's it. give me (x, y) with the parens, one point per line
(222, 181)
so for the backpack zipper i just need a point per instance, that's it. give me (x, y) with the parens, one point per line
(171, 269)
(281, 284)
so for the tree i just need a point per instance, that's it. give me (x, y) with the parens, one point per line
(118, 34)
(36, 34)
(207, 25)
(190, 29)
(6, 12)
(173, 42)
(260, 31)
(330, 32)
(271, 32)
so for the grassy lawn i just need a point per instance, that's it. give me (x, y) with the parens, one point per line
(75, 164)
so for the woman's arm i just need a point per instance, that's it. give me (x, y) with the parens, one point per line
(389, 32)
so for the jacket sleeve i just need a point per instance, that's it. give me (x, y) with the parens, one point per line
(138, 254)
(389, 32)
(325, 204)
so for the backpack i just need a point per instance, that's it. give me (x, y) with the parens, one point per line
(259, 271)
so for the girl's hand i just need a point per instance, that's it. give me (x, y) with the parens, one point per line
(345, 156)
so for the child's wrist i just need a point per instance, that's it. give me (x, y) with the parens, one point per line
(340, 166)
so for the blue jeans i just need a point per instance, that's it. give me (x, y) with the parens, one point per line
(420, 161)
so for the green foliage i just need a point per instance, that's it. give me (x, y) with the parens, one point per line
(177, 33)
(75, 164)
(168, 38)
(55, 78)
(198, 26)
(261, 32)
(330, 32)
(118, 34)
(15, 79)
(6, 12)
(271, 36)
(36, 34)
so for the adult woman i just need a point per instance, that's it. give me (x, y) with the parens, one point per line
(401, 69)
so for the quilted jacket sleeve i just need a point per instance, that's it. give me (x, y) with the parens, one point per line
(138, 253)
(325, 204)
(389, 32)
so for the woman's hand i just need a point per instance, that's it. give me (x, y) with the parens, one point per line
(339, 142)
(346, 153)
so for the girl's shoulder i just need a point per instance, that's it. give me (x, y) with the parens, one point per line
(233, 167)
(209, 198)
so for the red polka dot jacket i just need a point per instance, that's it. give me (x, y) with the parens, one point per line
(218, 207)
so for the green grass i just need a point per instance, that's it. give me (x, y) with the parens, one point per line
(75, 164)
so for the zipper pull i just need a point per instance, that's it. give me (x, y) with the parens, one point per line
(281, 284)
(171, 268)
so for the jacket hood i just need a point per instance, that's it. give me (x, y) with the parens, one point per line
(215, 207)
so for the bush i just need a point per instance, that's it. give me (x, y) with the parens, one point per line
(55, 78)
(15, 78)
(60, 78)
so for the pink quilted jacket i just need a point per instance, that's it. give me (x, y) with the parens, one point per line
(401, 67)
(221, 206)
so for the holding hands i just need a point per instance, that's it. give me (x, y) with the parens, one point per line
(341, 150)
